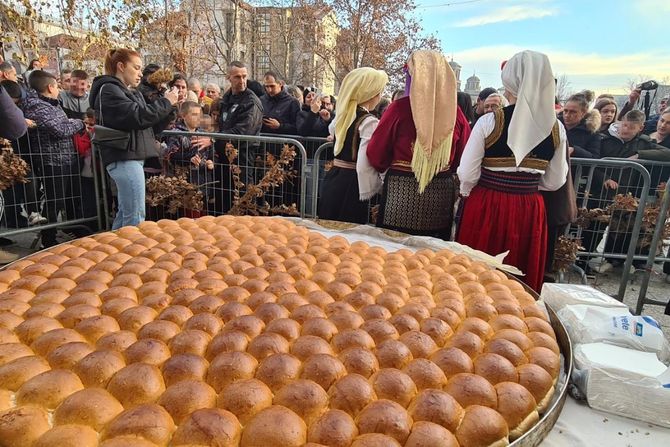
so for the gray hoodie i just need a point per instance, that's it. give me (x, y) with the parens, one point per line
(74, 107)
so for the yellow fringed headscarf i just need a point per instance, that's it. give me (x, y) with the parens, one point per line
(358, 86)
(432, 96)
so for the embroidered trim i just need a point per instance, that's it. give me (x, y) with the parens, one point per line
(344, 164)
(510, 162)
(497, 129)
(403, 165)
(556, 135)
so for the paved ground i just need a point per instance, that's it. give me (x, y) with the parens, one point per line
(608, 282)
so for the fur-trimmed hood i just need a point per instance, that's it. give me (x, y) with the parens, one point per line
(592, 120)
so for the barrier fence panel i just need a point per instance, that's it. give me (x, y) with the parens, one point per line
(611, 198)
(235, 174)
(60, 191)
(311, 145)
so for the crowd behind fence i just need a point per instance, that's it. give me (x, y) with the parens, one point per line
(623, 204)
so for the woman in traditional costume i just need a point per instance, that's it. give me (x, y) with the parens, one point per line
(351, 182)
(511, 155)
(420, 140)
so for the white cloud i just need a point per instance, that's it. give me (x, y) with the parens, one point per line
(585, 70)
(509, 14)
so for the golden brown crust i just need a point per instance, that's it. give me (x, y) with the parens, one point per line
(275, 425)
(211, 426)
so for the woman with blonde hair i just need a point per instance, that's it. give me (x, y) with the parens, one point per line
(351, 182)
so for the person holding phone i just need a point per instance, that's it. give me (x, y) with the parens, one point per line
(121, 106)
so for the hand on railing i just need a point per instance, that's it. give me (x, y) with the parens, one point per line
(610, 184)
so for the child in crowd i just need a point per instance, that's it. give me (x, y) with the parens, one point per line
(192, 152)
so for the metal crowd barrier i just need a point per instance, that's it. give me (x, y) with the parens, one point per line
(612, 231)
(217, 181)
(57, 196)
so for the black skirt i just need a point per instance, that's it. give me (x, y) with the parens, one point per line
(340, 198)
(429, 214)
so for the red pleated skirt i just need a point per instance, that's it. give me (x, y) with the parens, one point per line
(495, 221)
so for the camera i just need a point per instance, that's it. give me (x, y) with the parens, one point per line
(648, 85)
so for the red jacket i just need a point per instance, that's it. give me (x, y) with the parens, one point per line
(394, 137)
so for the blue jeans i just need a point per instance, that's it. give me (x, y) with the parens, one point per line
(129, 178)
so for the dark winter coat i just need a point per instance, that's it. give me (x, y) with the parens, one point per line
(284, 108)
(52, 139)
(152, 94)
(647, 149)
(241, 114)
(125, 109)
(584, 139)
(180, 150)
(310, 124)
(12, 123)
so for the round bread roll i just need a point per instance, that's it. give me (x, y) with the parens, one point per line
(6, 400)
(395, 385)
(545, 341)
(190, 341)
(275, 425)
(208, 427)
(308, 345)
(149, 351)
(269, 312)
(229, 367)
(67, 355)
(385, 416)
(374, 311)
(518, 338)
(335, 428)
(47, 342)
(468, 342)
(184, 397)
(267, 344)
(125, 441)
(95, 327)
(346, 320)
(249, 324)
(425, 374)
(482, 426)
(69, 436)
(227, 342)
(404, 323)
(232, 309)
(436, 406)
(351, 394)
(359, 361)
(116, 341)
(137, 384)
(162, 330)
(324, 369)
(352, 338)
(29, 330)
(319, 327)
(49, 388)
(495, 368)
(22, 426)
(278, 370)
(545, 358)
(245, 398)
(307, 312)
(428, 434)
(98, 367)
(471, 389)
(393, 354)
(177, 314)
(538, 381)
(305, 398)
(507, 349)
(17, 372)
(184, 367)
(375, 440)
(94, 407)
(287, 328)
(149, 421)
(517, 405)
(436, 329)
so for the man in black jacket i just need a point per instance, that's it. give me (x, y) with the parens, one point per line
(280, 110)
(241, 114)
(314, 121)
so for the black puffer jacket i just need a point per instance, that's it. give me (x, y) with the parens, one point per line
(284, 108)
(125, 109)
(311, 124)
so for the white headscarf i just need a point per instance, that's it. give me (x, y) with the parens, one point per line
(528, 76)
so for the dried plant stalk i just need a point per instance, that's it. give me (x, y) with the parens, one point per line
(173, 193)
(13, 169)
(565, 253)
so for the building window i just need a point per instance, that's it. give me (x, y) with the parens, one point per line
(264, 23)
(263, 59)
(230, 26)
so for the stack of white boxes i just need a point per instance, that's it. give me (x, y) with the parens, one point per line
(619, 357)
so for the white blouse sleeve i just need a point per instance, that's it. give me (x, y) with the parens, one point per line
(556, 173)
(470, 168)
(369, 180)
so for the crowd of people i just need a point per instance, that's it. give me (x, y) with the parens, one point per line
(494, 175)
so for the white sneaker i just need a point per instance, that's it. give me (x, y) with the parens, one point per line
(7, 257)
(36, 219)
